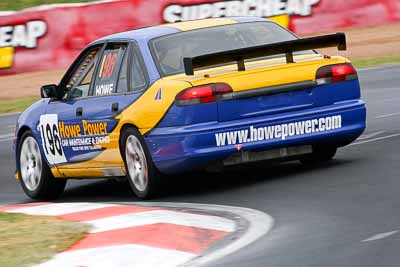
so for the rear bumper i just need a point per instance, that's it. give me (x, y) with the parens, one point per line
(178, 149)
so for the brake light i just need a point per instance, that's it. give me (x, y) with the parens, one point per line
(204, 94)
(336, 73)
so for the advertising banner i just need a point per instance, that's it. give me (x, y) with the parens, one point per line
(51, 36)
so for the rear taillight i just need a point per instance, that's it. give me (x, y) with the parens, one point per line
(336, 73)
(204, 94)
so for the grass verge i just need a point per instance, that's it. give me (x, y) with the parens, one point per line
(27, 240)
(15, 105)
(21, 4)
(375, 61)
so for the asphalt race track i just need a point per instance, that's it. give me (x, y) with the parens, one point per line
(343, 213)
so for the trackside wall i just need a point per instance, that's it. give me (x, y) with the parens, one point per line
(50, 37)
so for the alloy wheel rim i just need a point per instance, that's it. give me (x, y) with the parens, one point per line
(30, 164)
(136, 163)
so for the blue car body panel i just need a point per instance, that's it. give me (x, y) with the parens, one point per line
(179, 148)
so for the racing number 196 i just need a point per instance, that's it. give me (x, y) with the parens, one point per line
(51, 140)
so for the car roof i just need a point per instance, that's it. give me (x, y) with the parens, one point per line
(170, 28)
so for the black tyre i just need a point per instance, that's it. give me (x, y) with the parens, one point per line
(142, 175)
(319, 155)
(37, 181)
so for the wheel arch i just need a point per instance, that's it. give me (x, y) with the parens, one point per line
(23, 129)
(123, 128)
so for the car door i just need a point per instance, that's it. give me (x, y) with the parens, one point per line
(60, 123)
(87, 136)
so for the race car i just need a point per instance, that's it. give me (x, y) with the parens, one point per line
(194, 95)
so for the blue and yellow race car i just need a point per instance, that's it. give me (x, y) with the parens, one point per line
(189, 95)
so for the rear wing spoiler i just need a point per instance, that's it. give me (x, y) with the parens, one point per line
(288, 47)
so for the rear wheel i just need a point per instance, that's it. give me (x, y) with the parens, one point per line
(319, 155)
(37, 181)
(142, 175)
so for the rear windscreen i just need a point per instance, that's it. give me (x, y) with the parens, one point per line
(168, 51)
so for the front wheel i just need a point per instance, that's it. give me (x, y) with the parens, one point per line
(319, 155)
(37, 181)
(142, 175)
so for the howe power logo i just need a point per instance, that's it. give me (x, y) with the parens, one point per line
(24, 35)
(277, 10)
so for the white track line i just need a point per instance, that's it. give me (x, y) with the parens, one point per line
(6, 13)
(6, 137)
(373, 140)
(56, 209)
(9, 114)
(123, 255)
(366, 136)
(380, 67)
(162, 216)
(380, 236)
(387, 115)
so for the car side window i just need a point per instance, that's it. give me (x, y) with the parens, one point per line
(79, 83)
(123, 76)
(108, 70)
(138, 78)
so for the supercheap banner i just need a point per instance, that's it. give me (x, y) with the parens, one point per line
(51, 36)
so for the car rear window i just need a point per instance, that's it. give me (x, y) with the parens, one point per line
(168, 51)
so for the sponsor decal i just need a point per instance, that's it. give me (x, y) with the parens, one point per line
(158, 95)
(108, 65)
(84, 136)
(51, 141)
(280, 131)
(19, 36)
(58, 137)
(88, 129)
(107, 72)
(277, 10)
(104, 89)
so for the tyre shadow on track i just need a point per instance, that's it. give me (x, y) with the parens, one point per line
(202, 183)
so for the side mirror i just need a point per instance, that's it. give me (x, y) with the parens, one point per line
(49, 91)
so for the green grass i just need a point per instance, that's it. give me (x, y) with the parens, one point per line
(9, 218)
(21, 4)
(28, 240)
(375, 61)
(15, 105)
